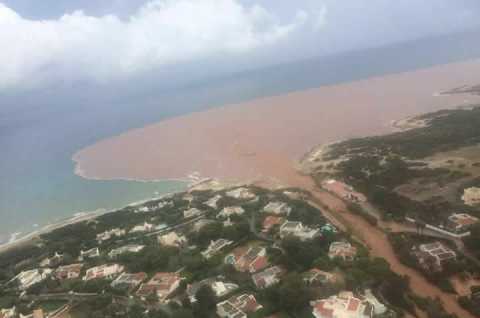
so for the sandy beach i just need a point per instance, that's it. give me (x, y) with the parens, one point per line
(263, 138)
(32, 236)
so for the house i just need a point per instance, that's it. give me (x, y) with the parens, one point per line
(131, 248)
(245, 302)
(91, 253)
(228, 222)
(217, 284)
(190, 213)
(213, 201)
(53, 261)
(142, 209)
(226, 310)
(298, 230)
(215, 247)
(229, 211)
(31, 277)
(38, 313)
(343, 191)
(172, 239)
(241, 193)
(316, 276)
(378, 307)
(129, 281)
(270, 221)
(344, 305)
(110, 234)
(277, 208)
(471, 196)
(252, 259)
(162, 284)
(103, 272)
(198, 225)
(432, 256)
(293, 195)
(188, 197)
(460, 222)
(238, 306)
(343, 250)
(71, 271)
(328, 228)
(163, 204)
(268, 277)
(8, 313)
(145, 227)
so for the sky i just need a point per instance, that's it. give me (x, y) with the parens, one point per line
(102, 41)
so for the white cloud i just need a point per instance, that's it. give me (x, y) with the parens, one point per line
(160, 32)
(320, 18)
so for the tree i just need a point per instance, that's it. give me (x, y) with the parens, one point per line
(208, 233)
(206, 300)
(152, 298)
(291, 295)
(473, 240)
(157, 314)
(183, 313)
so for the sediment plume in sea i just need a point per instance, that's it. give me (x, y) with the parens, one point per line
(264, 137)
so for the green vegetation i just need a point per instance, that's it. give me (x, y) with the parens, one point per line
(290, 296)
(445, 130)
(377, 166)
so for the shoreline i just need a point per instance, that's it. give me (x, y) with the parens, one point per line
(31, 236)
(77, 217)
(78, 171)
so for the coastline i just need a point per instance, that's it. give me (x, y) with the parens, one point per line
(31, 236)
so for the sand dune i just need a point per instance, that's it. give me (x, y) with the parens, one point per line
(263, 137)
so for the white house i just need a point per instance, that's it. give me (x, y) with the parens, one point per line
(241, 193)
(131, 248)
(172, 239)
(215, 247)
(145, 227)
(190, 213)
(297, 229)
(277, 208)
(212, 202)
(103, 272)
(343, 250)
(31, 277)
(91, 253)
(109, 234)
(230, 211)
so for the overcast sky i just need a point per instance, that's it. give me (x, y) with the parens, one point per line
(48, 41)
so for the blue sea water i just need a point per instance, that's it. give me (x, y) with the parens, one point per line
(40, 132)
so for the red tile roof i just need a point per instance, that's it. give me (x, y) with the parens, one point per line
(260, 263)
(353, 304)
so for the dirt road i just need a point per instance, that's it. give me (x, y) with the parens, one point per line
(379, 246)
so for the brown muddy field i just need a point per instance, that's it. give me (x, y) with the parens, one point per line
(262, 138)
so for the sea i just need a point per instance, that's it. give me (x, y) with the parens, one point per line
(39, 133)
